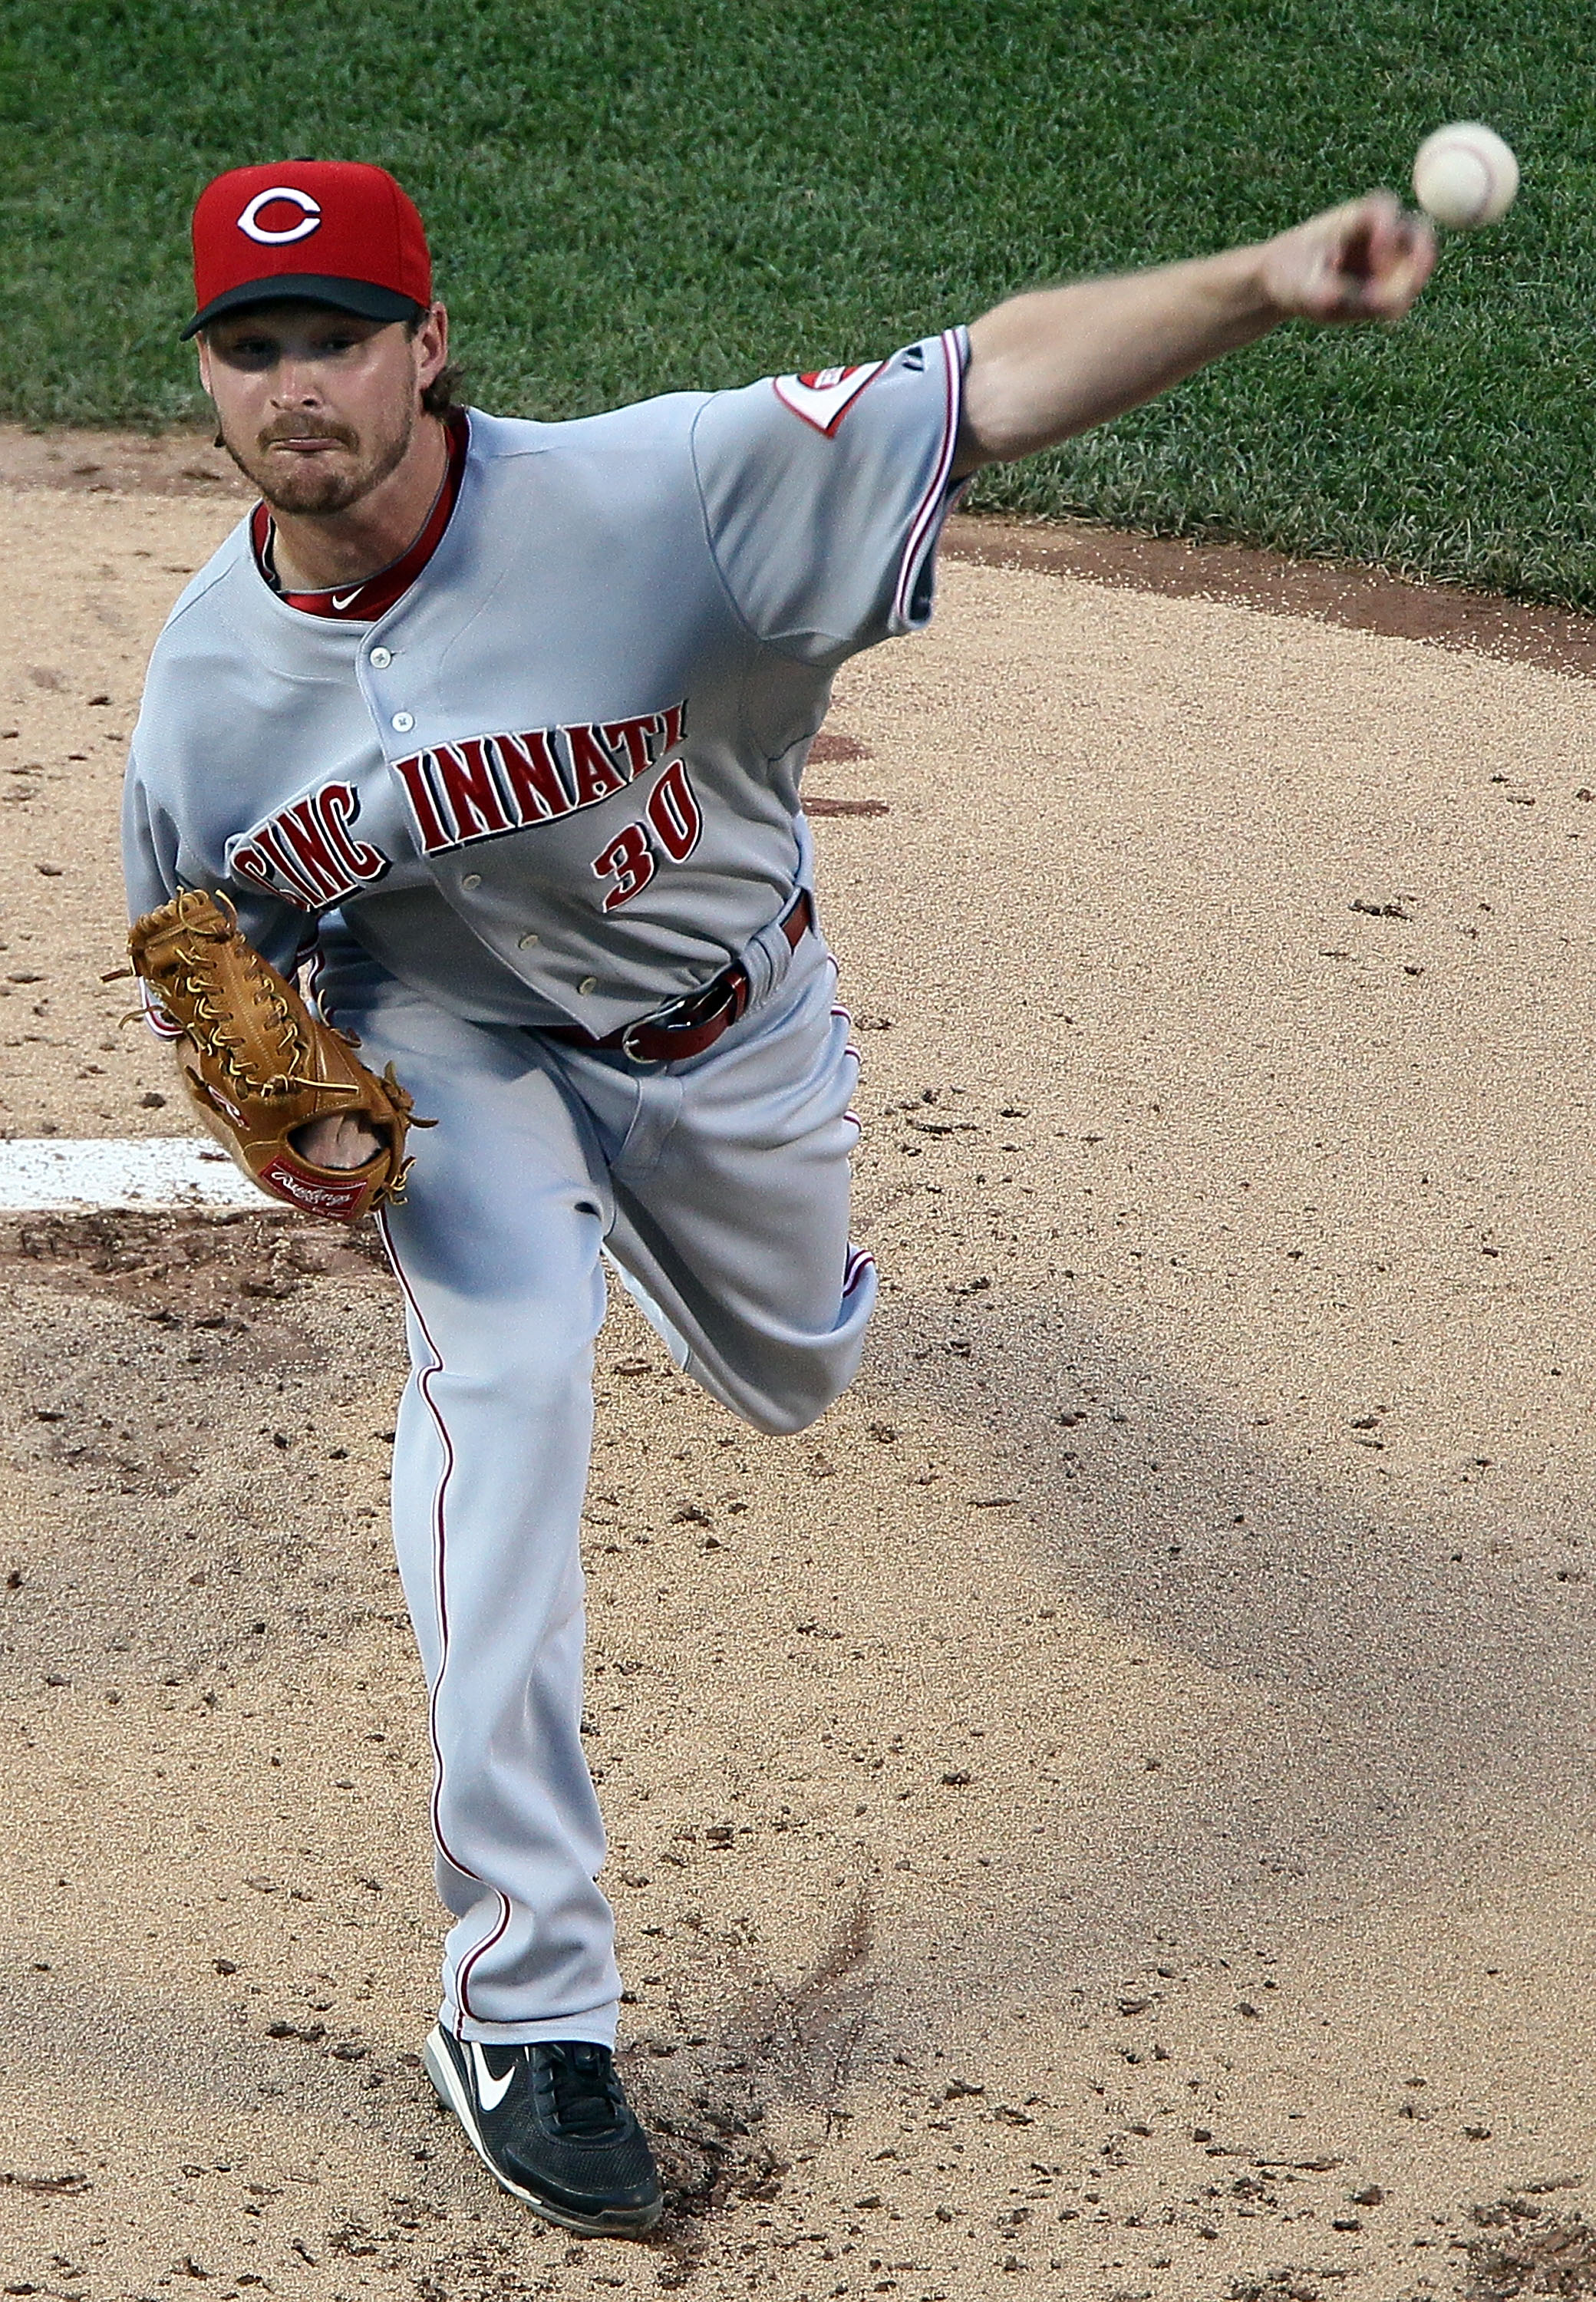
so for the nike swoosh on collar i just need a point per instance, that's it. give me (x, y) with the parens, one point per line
(341, 600)
(489, 2091)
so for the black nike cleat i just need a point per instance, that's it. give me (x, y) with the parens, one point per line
(552, 2124)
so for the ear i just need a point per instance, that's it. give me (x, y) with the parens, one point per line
(204, 349)
(431, 346)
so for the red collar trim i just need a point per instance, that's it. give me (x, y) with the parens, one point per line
(365, 603)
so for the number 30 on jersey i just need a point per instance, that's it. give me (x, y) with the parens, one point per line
(672, 822)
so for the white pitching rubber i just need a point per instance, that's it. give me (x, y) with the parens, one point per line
(43, 1174)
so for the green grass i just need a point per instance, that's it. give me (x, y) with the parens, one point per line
(628, 197)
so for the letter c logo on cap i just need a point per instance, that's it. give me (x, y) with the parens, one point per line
(309, 220)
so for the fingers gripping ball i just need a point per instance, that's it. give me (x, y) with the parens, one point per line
(261, 1068)
(1465, 175)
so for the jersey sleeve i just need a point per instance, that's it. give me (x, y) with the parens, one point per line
(824, 496)
(149, 845)
(155, 866)
(149, 868)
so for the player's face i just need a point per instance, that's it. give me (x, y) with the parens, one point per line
(316, 408)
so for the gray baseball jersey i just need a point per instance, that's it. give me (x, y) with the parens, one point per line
(558, 780)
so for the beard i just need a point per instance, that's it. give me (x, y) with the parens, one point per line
(321, 485)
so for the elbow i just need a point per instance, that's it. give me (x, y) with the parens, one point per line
(1002, 420)
(987, 435)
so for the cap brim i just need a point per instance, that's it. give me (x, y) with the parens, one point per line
(362, 296)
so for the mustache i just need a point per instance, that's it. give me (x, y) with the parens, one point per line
(305, 427)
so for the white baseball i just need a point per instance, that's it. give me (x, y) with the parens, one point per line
(1465, 175)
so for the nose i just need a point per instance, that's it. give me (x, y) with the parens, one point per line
(294, 382)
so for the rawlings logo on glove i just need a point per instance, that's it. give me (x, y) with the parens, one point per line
(261, 1068)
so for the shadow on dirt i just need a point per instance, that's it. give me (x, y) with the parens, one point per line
(1413, 1671)
(1528, 2249)
(783, 2045)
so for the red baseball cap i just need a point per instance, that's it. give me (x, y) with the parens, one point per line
(319, 231)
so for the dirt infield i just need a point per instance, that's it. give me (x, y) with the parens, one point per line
(1104, 1816)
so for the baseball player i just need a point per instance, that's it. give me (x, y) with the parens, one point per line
(496, 727)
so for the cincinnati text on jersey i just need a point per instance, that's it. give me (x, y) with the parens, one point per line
(476, 787)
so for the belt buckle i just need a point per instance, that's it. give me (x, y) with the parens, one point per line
(685, 1012)
(669, 1018)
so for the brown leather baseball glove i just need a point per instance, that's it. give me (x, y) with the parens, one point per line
(261, 1068)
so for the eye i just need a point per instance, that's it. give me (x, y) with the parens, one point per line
(340, 336)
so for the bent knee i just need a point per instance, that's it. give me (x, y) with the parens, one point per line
(783, 1422)
(779, 1412)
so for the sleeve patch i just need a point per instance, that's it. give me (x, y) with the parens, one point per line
(824, 397)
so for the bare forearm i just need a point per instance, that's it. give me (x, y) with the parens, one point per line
(1046, 365)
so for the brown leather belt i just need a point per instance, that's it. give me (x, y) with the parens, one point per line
(692, 1024)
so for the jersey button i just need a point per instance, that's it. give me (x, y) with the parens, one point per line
(525, 941)
(379, 659)
(471, 879)
(402, 722)
(588, 983)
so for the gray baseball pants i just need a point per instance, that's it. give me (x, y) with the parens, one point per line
(719, 1187)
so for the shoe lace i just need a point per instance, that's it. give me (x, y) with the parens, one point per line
(587, 2095)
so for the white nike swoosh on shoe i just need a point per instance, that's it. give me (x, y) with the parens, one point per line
(489, 2091)
(341, 600)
